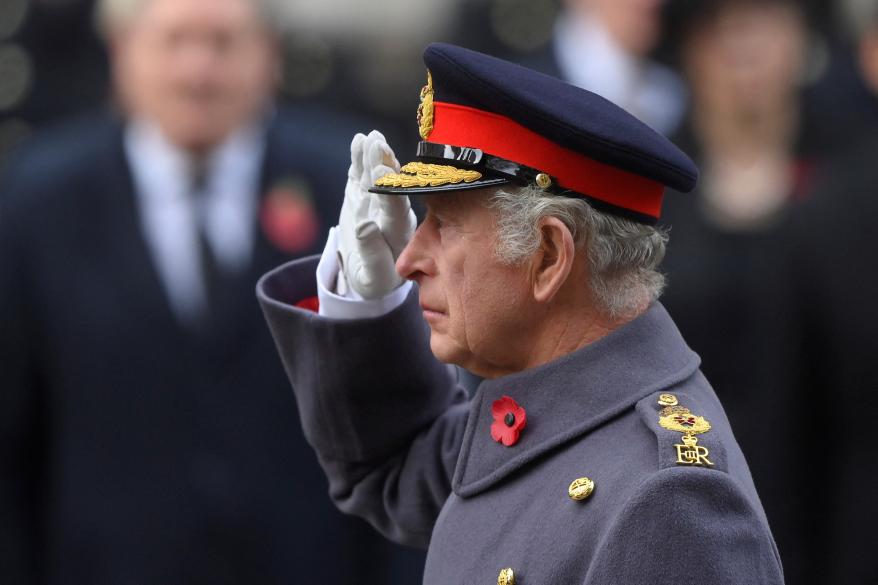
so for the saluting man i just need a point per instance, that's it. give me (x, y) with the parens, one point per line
(595, 451)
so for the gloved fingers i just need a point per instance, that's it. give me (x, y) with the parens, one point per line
(372, 271)
(365, 177)
(354, 209)
(392, 211)
(391, 208)
(396, 219)
(376, 153)
(355, 171)
(355, 206)
(378, 172)
(380, 157)
(375, 135)
(357, 200)
(366, 252)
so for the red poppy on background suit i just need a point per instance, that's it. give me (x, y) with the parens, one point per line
(509, 420)
(289, 220)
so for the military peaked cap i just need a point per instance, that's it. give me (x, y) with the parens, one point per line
(487, 122)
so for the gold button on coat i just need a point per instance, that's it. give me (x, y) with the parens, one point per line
(506, 577)
(580, 489)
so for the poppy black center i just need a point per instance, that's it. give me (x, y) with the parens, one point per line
(509, 419)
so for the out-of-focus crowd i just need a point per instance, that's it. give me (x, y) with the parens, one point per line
(157, 156)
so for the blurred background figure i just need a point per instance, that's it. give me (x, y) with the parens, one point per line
(831, 250)
(148, 433)
(744, 61)
(605, 46)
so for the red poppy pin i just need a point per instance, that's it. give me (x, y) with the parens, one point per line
(509, 420)
(288, 217)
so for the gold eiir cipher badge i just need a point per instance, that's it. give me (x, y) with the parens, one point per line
(680, 419)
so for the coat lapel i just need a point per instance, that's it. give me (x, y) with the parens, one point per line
(238, 316)
(130, 260)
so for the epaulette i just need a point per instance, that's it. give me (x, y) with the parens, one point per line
(683, 432)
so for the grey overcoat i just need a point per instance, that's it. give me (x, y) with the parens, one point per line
(405, 448)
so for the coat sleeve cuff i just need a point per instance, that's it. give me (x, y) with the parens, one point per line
(335, 306)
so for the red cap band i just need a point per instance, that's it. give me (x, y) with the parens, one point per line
(502, 137)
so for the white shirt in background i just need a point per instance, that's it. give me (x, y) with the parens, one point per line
(162, 182)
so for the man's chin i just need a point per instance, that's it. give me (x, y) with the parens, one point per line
(445, 351)
(196, 137)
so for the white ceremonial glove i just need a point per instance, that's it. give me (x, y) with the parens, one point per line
(372, 229)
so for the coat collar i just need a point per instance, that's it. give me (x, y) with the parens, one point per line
(572, 395)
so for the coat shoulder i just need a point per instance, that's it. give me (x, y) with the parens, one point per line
(694, 517)
(49, 169)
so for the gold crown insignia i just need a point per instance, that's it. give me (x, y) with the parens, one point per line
(425, 110)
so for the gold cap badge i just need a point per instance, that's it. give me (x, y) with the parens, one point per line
(425, 110)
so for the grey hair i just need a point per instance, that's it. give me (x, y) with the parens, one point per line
(110, 15)
(623, 254)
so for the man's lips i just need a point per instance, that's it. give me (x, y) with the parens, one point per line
(431, 311)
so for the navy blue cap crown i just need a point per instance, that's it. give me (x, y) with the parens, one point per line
(502, 122)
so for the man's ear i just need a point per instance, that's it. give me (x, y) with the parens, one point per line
(553, 261)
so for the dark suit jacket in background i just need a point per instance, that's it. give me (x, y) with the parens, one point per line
(727, 294)
(132, 451)
(833, 322)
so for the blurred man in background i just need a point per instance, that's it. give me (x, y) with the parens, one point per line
(147, 433)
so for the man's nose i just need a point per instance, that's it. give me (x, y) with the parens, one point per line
(413, 262)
